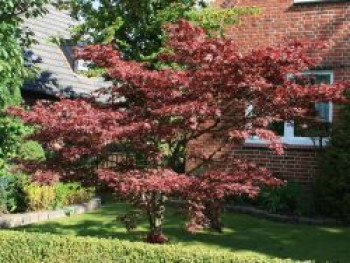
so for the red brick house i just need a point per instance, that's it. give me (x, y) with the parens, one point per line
(291, 19)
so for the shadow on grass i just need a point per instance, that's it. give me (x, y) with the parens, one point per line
(242, 234)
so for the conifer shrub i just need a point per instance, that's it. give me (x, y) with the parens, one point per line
(333, 181)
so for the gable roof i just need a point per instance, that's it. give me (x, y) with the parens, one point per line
(57, 77)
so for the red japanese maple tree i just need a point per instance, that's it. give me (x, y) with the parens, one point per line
(156, 114)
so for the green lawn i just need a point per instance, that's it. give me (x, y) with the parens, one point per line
(242, 234)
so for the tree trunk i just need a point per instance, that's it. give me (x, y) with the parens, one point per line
(213, 213)
(177, 160)
(156, 218)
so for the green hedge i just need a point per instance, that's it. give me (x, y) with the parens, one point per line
(35, 247)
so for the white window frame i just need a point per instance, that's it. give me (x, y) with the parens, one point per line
(81, 65)
(289, 131)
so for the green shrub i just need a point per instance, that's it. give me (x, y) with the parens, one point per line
(45, 197)
(11, 132)
(19, 247)
(12, 198)
(289, 199)
(62, 192)
(9, 193)
(93, 72)
(283, 199)
(80, 195)
(333, 181)
(40, 197)
(31, 151)
(72, 193)
(130, 220)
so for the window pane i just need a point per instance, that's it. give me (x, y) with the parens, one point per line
(323, 110)
(320, 127)
(311, 129)
(278, 128)
(322, 78)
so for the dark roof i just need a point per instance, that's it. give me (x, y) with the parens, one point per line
(57, 76)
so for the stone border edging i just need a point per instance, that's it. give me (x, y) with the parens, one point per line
(249, 210)
(16, 220)
(282, 218)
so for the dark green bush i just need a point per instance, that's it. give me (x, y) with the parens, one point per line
(283, 200)
(8, 194)
(21, 247)
(333, 181)
(11, 193)
(289, 199)
(11, 133)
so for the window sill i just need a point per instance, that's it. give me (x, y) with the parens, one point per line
(294, 146)
(297, 142)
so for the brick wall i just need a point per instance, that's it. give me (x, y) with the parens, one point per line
(280, 20)
(297, 164)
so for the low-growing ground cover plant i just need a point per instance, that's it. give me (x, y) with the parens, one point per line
(163, 111)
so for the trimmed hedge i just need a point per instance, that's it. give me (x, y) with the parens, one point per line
(35, 247)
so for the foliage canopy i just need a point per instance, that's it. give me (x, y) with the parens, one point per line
(136, 26)
(12, 40)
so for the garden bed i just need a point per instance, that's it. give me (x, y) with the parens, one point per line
(283, 218)
(16, 220)
(260, 213)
